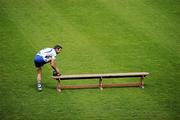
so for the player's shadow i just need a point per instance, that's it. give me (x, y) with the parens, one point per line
(49, 86)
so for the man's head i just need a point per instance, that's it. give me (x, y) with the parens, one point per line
(58, 48)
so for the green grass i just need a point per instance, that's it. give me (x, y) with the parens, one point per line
(98, 36)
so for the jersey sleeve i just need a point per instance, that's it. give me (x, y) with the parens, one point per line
(53, 55)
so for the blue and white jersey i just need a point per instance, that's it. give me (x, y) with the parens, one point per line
(47, 54)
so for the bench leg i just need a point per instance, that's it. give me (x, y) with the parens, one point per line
(100, 84)
(58, 88)
(142, 82)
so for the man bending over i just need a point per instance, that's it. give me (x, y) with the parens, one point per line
(46, 55)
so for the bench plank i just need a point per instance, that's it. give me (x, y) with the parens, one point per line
(107, 75)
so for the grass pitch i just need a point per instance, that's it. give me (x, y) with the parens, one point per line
(98, 36)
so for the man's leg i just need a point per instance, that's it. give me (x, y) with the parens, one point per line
(39, 78)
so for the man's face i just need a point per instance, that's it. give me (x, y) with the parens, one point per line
(58, 50)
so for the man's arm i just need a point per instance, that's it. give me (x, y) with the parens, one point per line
(53, 65)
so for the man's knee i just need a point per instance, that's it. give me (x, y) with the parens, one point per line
(39, 69)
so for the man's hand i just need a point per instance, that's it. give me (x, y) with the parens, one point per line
(59, 74)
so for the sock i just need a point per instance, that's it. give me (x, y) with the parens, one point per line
(39, 82)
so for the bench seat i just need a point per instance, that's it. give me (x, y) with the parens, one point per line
(96, 76)
(141, 75)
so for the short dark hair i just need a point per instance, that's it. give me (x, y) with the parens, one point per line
(57, 46)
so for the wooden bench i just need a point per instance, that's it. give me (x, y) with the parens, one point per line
(141, 75)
